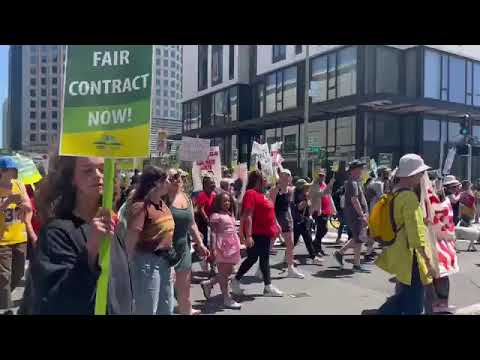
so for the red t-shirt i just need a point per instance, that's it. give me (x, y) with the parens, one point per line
(206, 201)
(326, 202)
(263, 219)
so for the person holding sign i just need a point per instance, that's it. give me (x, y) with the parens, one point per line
(150, 229)
(66, 268)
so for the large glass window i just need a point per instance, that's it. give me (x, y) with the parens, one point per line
(217, 64)
(469, 95)
(317, 133)
(231, 62)
(290, 88)
(476, 84)
(219, 107)
(432, 74)
(278, 53)
(233, 104)
(319, 74)
(431, 130)
(431, 142)
(387, 72)
(202, 66)
(457, 80)
(453, 131)
(279, 93)
(387, 130)
(290, 143)
(345, 130)
(331, 132)
(261, 96)
(332, 76)
(347, 71)
(270, 90)
(444, 85)
(195, 115)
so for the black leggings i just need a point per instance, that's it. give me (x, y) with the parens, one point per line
(260, 249)
(301, 229)
(321, 222)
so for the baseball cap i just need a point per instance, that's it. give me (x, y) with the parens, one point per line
(300, 183)
(356, 164)
(6, 162)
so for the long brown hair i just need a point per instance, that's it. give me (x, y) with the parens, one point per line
(148, 180)
(254, 178)
(56, 194)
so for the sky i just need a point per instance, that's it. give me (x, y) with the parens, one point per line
(3, 84)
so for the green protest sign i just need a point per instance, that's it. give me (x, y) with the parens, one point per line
(107, 101)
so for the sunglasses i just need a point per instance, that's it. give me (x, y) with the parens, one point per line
(175, 177)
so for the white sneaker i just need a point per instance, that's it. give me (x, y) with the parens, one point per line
(294, 274)
(229, 303)
(316, 261)
(272, 291)
(236, 288)
(259, 274)
(207, 289)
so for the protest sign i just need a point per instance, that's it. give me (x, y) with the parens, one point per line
(385, 159)
(261, 156)
(194, 149)
(449, 161)
(106, 105)
(211, 166)
(107, 101)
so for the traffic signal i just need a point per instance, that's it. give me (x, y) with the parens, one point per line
(465, 127)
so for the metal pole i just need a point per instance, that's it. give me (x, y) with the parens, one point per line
(469, 163)
(307, 110)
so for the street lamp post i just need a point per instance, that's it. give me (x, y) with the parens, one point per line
(307, 110)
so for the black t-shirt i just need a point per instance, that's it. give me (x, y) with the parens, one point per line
(62, 281)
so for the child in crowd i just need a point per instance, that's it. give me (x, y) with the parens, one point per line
(225, 245)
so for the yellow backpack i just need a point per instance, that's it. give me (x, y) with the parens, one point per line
(381, 223)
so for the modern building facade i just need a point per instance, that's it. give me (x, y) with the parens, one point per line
(36, 75)
(167, 92)
(371, 99)
(5, 126)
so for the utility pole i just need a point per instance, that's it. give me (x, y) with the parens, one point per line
(307, 111)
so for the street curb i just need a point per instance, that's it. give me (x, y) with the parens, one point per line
(469, 310)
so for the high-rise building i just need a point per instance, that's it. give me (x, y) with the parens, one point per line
(35, 95)
(166, 92)
(366, 100)
(5, 126)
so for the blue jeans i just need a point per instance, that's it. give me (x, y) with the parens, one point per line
(152, 284)
(408, 300)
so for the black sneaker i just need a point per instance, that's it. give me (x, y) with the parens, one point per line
(369, 258)
(339, 258)
(323, 253)
(8, 312)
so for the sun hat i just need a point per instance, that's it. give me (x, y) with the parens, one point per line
(450, 180)
(301, 183)
(285, 171)
(6, 162)
(409, 165)
(356, 164)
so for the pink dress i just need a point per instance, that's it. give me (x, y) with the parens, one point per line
(225, 239)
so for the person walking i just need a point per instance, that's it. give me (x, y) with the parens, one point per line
(356, 214)
(476, 192)
(322, 207)
(258, 228)
(467, 204)
(452, 191)
(65, 268)
(182, 211)
(204, 204)
(407, 257)
(15, 209)
(282, 196)
(301, 211)
(149, 238)
(225, 246)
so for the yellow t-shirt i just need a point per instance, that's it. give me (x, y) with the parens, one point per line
(12, 229)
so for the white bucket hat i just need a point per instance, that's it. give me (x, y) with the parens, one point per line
(450, 180)
(285, 171)
(409, 165)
